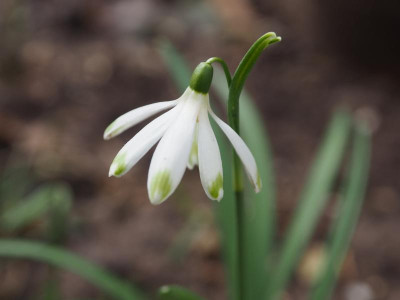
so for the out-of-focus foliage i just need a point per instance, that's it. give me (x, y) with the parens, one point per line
(63, 259)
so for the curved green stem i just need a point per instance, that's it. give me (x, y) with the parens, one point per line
(235, 89)
(224, 67)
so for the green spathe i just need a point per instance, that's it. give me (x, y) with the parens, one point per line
(160, 186)
(201, 78)
(216, 186)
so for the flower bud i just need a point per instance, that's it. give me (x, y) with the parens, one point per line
(201, 78)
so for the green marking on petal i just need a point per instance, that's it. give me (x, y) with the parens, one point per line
(113, 130)
(109, 128)
(216, 186)
(119, 161)
(194, 152)
(259, 184)
(160, 185)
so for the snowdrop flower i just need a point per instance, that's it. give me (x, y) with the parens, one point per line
(186, 139)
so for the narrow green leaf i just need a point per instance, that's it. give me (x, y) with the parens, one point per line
(347, 216)
(175, 292)
(116, 288)
(260, 218)
(225, 209)
(176, 64)
(312, 201)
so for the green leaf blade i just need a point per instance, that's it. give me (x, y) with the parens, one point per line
(116, 288)
(312, 201)
(348, 213)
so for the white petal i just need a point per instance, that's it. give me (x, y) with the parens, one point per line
(172, 153)
(138, 146)
(242, 151)
(137, 115)
(193, 156)
(210, 164)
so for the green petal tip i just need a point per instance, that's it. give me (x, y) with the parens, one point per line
(216, 188)
(160, 187)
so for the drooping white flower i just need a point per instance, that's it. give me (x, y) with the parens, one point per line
(185, 139)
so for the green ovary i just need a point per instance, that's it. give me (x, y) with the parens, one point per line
(216, 186)
(160, 185)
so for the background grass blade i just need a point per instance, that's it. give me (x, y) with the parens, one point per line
(177, 66)
(224, 210)
(47, 199)
(348, 212)
(175, 292)
(63, 259)
(260, 219)
(312, 201)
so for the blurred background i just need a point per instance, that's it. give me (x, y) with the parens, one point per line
(69, 68)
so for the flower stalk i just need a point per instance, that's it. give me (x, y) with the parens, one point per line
(224, 67)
